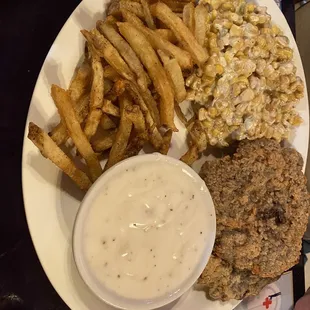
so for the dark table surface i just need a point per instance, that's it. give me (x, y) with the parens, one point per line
(27, 30)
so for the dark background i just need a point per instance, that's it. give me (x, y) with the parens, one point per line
(27, 30)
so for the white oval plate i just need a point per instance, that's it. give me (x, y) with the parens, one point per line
(52, 200)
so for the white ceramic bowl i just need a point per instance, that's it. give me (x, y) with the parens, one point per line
(81, 262)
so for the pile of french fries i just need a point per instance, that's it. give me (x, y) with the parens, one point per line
(128, 88)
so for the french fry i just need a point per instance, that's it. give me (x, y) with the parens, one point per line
(106, 122)
(134, 114)
(125, 51)
(167, 141)
(79, 87)
(114, 8)
(174, 72)
(198, 135)
(51, 151)
(147, 14)
(110, 73)
(133, 7)
(59, 133)
(96, 98)
(179, 14)
(109, 108)
(108, 85)
(153, 133)
(191, 155)
(106, 50)
(64, 105)
(183, 34)
(117, 89)
(131, 18)
(81, 82)
(119, 146)
(201, 17)
(135, 145)
(148, 57)
(151, 105)
(111, 20)
(183, 57)
(175, 6)
(180, 114)
(104, 142)
(189, 16)
(167, 34)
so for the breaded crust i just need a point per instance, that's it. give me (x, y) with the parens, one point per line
(262, 207)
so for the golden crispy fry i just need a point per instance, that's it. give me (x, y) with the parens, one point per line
(201, 17)
(82, 108)
(108, 85)
(180, 15)
(180, 114)
(81, 82)
(147, 14)
(119, 146)
(110, 73)
(189, 16)
(104, 142)
(135, 145)
(79, 87)
(106, 122)
(117, 89)
(96, 98)
(167, 34)
(114, 8)
(131, 18)
(198, 135)
(87, 55)
(59, 133)
(157, 42)
(50, 150)
(183, 34)
(175, 6)
(126, 52)
(153, 133)
(67, 114)
(167, 141)
(146, 53)
(92, 123)
(109, 108)
(191, 121)
(151, 105)
(106, 50)
(111, 20)
(133, 7)
(191, 155)
(134, 114)
(174, 72)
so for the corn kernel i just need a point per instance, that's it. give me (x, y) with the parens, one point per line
(249, 8)
(219, 69)
(212, 111)
(276, 30)
(227, 6)
(297, 120)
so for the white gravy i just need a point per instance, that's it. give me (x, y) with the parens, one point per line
(146, 231)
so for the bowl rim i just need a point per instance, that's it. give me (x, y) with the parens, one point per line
(106, 295)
